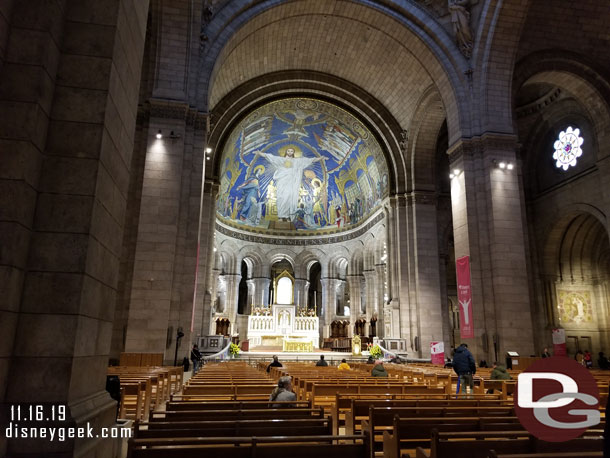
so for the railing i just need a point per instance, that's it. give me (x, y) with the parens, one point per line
(306, 323)
(260, 323)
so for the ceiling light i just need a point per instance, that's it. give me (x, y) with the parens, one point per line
(502, 165)
(208, 150)
(510, 166)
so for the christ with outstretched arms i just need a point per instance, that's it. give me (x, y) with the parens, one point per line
(288, 175)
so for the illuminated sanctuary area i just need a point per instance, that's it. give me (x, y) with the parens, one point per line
(302, 207)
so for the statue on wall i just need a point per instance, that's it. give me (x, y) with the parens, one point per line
(460, 20)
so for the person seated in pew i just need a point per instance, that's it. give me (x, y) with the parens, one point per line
(371, 360)
(283, 392)
(448, 364)
(379, 370)
(546, 353)
(321, 362)
(343, 366)
(498, 373)
(275, 363)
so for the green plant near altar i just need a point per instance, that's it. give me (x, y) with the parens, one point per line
(233, 350)
(375, 351)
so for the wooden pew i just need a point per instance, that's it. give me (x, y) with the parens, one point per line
(344, 403)
(480, 444)
(230, 405)
(385, 411)
(135, 400)
(381, 419)
(493, 454)
(238, 428)
(409, 433)
(191, 415)
(250, 447)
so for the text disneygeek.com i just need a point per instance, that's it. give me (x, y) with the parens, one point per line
(60, 434)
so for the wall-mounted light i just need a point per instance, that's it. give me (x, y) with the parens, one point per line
(208, 150)
(504, 165)
(455, 173)
(159, 135)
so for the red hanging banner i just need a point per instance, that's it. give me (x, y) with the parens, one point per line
(464, 292)
(437, 353)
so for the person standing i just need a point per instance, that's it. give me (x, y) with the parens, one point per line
(195, 358)
(465, 367)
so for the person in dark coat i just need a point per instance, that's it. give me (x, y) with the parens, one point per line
(195, 357)
(321, 362)
(546, 353)
(275, 363)
(371, 360)
(379, 370)
(500, 373)
(464, 366)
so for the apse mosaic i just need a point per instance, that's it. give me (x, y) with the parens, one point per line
(302, 165)
(574, 307)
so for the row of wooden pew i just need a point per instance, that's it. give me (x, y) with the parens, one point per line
(205, 421)
(145, 388)
(341, 413)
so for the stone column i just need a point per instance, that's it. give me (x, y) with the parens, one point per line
(153, 276)
(232, 295)
(250, 303)
(370, 279)
(300, 292)
(425, 260)
(488, 225)
(69, 92)
(329, 300)
(355, 294)
(379, 307)
(261, 291)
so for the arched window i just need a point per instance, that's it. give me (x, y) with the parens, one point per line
(284, 290)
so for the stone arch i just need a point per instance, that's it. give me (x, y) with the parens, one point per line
(249, 96)
(337, 263)
(255, 260)
(496, 45)
(417, 42)
(574, 75)
(306, 259)
(562, 234)
(422, 145)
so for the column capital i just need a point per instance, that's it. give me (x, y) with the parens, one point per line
(422, 198)
(465, 148)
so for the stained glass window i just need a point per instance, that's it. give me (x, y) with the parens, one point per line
(567, 148)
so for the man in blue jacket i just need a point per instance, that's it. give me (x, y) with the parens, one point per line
(464, 366)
